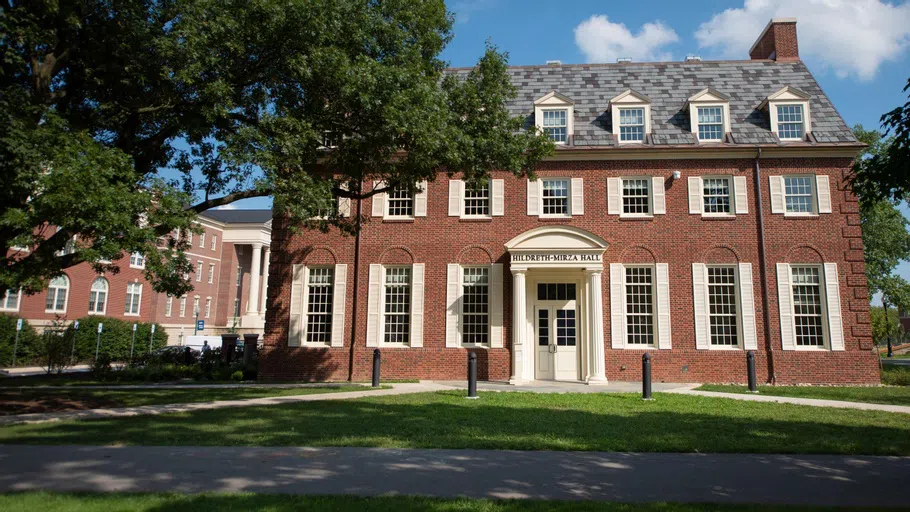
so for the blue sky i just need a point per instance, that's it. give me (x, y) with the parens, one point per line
(858, 50)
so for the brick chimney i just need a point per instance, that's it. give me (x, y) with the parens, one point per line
(777, 41)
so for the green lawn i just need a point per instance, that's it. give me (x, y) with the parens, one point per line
(135, 397)
(893, 395)
(517, 421)
(48, 502)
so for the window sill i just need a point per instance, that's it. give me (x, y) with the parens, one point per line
(398, 220)
(137, 268)
(636, 217)
(812, 349)
(54, 311)
(472, 345)
(475, 219)
(310, 344)
(644, 347)
(554, 219)
(718, 217)
(4, 310)
(131, 314)
(392, 345)
(725, 349)
(92, 313)
(800, 215)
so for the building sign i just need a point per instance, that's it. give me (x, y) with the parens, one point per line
(557, 258)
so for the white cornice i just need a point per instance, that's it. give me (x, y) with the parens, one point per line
(715, 153)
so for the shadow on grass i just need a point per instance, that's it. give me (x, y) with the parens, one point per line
(518, 421)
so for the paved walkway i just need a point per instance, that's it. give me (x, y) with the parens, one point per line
(626, 477)
(24, 371)
(552, 386)
(814, 402)
(397, 389)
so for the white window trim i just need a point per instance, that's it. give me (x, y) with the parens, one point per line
(380, 329)
(464, 201)
(214, 242)
(18, 301)
(489, 307)
(538, 115)
(622, 188)
(556, 101)
(813, 181)
(645, 120)
(630, 99)
(732, 188)
(199, 267)
(823, 299)
(388, 202)
(693, 119)
(131, 261)
(807, 117)
(568, 214)
(107, 294)
(211, 275)
(208, 307)
(625, 314)
(66, 298)
(739, 309)
(169, 306)
(182, 307)
(139, 303)
(202, 240)
(305, 302)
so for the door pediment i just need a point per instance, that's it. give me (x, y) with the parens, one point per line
(556, 246)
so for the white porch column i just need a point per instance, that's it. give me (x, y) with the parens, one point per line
(265, 279)
(596, 326)
(520, 347)
(252, 303)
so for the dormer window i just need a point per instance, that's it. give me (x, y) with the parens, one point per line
(631, 113)
(709, 115)
(554, 114)
(788, 110)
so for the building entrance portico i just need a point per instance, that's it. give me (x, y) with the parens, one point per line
(557, 299)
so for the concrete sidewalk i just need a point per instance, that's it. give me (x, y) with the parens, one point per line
(813, 402)
(397, 389)
(626, 477)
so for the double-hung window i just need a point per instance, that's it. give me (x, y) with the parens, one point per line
(400, 203)
(723, 315)
(475, 306)
(555, 197)
(57, 292)
(476, 200)
(790, 122)
(397, 305)
(556, 125)
(183, 306)
(137, 260)
(636, 196)
(639, 306)
(319, 295)
(97, 298)
(806, 287)
(202, 240)
(208, 307)
(716, 195)
(10, 301)
(196, 306)
(198, 271)
(211, 273)
(133, 298)
(631, 124)
(214, 242)
(798, 194)
(169, 306)
(710, 123)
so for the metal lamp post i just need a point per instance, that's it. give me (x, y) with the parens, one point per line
(196, 323)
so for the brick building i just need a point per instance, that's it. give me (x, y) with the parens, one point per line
(695, 210)
(229, 276)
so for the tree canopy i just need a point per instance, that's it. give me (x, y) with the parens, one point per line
(302, 100)
(886, 174)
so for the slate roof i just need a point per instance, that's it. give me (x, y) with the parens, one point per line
(239, 216)
(669, 85)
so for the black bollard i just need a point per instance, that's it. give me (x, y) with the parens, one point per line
(376, 368)
(472, 375)
(890, 348)
(750, 368)
(187, 356)
(646, 377)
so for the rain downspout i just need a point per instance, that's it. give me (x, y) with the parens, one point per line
(356, 280)
(766, 316)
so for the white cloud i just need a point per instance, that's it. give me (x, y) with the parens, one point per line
(852, 37)
(601, 40)
(465, 8)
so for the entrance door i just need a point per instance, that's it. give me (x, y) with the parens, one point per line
(556, 328)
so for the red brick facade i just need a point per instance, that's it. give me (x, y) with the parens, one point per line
(677, 238)
(777, 42)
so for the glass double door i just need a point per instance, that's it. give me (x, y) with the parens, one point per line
(556, 336)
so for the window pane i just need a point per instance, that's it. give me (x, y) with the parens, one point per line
(631, 124)
(555, 197)
(639, 306)
(555, 123)
(798, 194)
(565, 327)
(400, 203)
(716, 195)
(807, 307)
(477, 201)
(475, 305)
(790, 121)
(397, 319)
(319, 305)
(543, 327)
(636, 196)
(722, 306)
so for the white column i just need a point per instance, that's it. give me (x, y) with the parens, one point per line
(520, 347)
(265, 279)
(252, 303)
(596, 327)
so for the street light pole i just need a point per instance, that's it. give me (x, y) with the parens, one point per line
(196, 324)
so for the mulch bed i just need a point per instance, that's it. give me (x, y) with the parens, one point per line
(26, 402)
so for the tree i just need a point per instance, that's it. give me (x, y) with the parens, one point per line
(886, 174)
(237, 98)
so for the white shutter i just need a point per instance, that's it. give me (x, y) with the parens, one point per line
(614, 199)
(776, 185)
(456, 198)
(578, 196)
(785, 305)
(378, 201)
(339, 299)
(295, 327)
(417, 271)
(420, 200)
(617, 317)
(533, 197)
(823, 187)
(659, 195)
(747, 306)
(373, 302)
(498, 204)
(740, 195)
(695, 192)
(700, 302)
(496, 290)
(835, 322)
(453, 304)
(663, 306)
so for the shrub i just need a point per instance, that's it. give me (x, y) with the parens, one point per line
(28, 338)
(237, 376)
(896, 375)
(116, 338)
(53, 349)
(101, 367)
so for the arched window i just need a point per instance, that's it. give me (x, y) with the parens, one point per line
(97, 299)
(56, 295)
